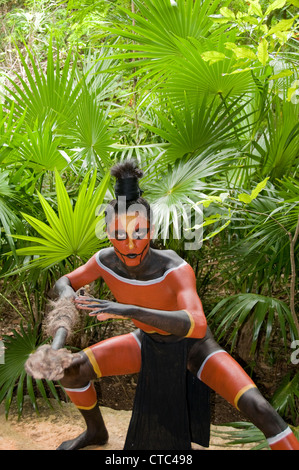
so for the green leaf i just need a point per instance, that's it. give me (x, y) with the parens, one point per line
(232, 312)
(247, 198)
(255, 192)
(276, 4)
(216, 232)
(227, 13)
(71, 231)
(281, 26)
(255, 8)
(244, 53)
(291, 92)
(219, 20)
(262, 51)
(230, 45)
(244, 197)
(209, 200)
(213, 56)
(282, 74)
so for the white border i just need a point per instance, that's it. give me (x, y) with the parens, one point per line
(205, 361)
(83, 389)
(135, 335)
(135, 281)
(279, 437)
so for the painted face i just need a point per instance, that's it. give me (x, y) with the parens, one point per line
(130, 236)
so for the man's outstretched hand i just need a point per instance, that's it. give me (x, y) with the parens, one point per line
(103, 309)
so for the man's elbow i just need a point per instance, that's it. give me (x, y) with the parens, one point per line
(198, 327)
(63, 287)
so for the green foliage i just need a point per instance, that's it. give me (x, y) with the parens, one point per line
(285, 396)
(72, 232)
(14, 380)
(198, 127)
(242, 433)
(231, 313)
(204, 95)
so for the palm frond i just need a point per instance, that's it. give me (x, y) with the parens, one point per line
(231, 313)
(71, 232)
(207, 126)
(173, 192)
(240, 433)
(88, 133)
(40, 150)
(279, 144)
(157, 25)
(193, 76)
(43, 93)
(284, 398)
(14, 381)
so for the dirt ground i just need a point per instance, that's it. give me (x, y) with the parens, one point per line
(53, 426)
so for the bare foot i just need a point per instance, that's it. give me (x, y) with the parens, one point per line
(87, 438)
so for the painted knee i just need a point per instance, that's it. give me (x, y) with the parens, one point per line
(259, 411)
(79, 374)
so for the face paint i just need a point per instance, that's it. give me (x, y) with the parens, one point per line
(130, 236)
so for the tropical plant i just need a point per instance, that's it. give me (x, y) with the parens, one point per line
(244, 433)
(43, 92)
(153, 32)
(285, 398)
(268, 253)
(231, 313)
(62, 112)
(191, 130)
(241, 433)
(174, 191)
(207, 105)
(14, 380)
(69, 235)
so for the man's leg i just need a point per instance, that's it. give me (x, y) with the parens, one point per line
(217, 369)
(115, 356)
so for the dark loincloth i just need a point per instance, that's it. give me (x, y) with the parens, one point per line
(171, 407)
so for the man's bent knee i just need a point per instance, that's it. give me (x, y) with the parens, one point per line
(79, 373)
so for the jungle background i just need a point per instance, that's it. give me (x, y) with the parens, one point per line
(205, 96)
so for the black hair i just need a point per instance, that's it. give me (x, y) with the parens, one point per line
(127, 190)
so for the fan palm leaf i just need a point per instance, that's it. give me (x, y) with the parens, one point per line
(192, 75)
(88, 133)
(172, 192)
(45, 93)
(156, 27)
(190, 131)
(279, 145)
(268, 224)
(13, 377)
(231, 313)
(71, 232)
